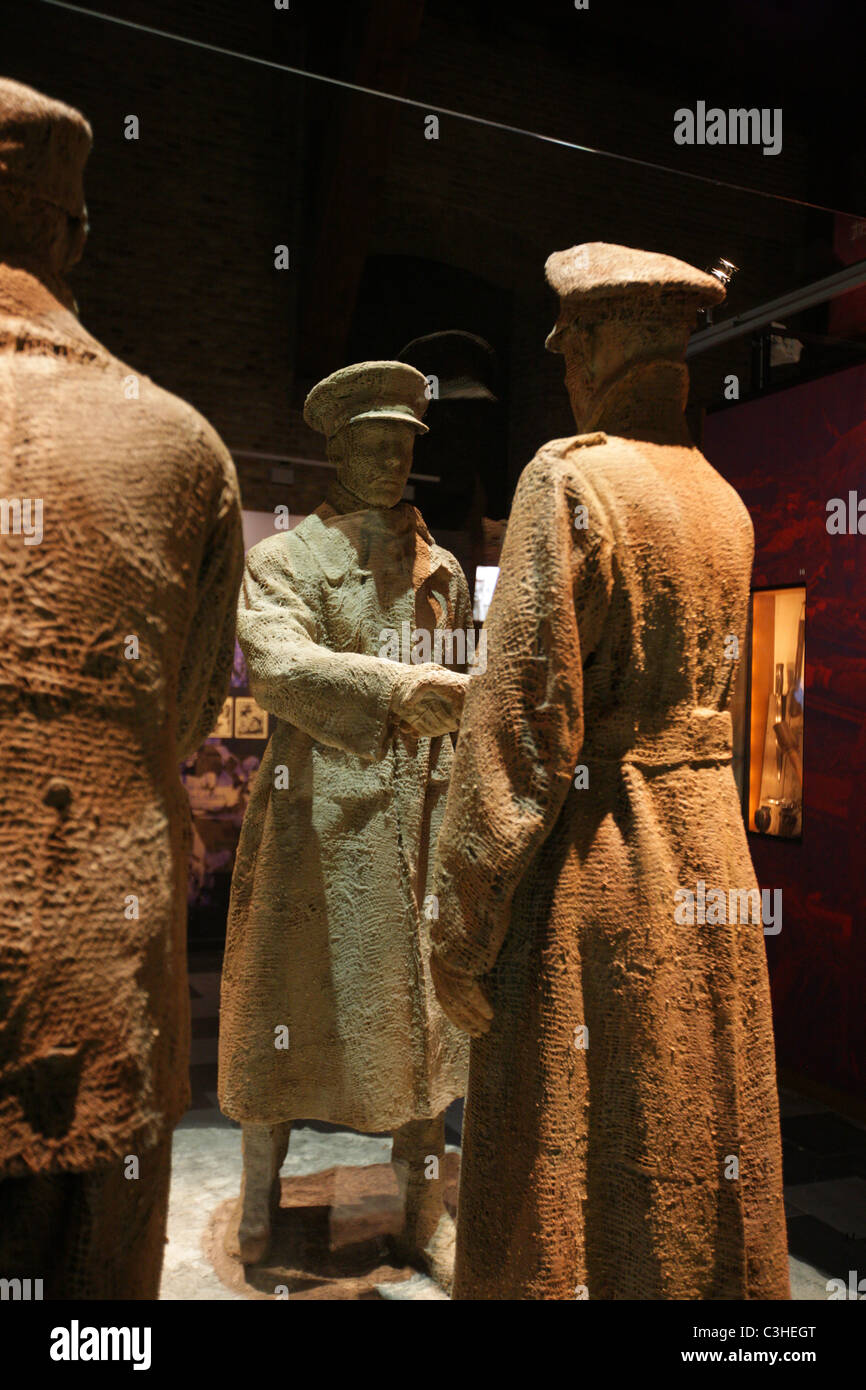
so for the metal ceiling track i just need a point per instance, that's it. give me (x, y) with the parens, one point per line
(817, 293)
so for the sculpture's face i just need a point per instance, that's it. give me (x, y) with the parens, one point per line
(377, 460)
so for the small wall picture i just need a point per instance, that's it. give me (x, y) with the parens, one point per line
(225, 722)
(251, 721)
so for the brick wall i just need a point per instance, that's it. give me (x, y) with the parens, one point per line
(178, 278)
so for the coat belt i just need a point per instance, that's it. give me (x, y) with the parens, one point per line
(688, 736)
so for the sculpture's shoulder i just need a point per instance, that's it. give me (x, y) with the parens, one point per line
(557, 452)
(120, 403)
(277, 549)
(290, 554)
(193, 431)
(558, 460)
(441, 558)
(571, 477)
(182, 446)
(565, 448)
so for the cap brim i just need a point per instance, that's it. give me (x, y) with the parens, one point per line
(405, 418)
(552, 341)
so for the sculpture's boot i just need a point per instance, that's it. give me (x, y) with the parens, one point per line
(249, 1231)
(428, 1236)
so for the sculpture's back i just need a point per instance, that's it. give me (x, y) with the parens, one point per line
(121, 557)
(622, 1135)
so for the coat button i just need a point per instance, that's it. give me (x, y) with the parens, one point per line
(58, 794)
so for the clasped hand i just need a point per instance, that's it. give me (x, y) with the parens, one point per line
(428, 700)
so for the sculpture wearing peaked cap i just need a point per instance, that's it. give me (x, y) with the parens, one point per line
(368, 391)
(329, 921)
(93, 931)
(624, 321)
(630, 1054)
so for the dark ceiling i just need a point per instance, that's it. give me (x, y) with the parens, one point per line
(804, 55)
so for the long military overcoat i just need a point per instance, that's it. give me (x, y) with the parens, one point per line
(328, 1011)
(621, 1137)
(116, 642)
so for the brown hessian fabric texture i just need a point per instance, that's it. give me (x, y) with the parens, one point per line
(93, 1235)
(597, 1163)
(115, 653)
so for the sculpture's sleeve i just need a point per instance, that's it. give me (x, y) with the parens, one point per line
(341, 699)
(463, 605)
(206, 663)
(522, 726)
(461, 610)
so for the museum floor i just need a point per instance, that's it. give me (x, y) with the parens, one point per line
(341, 1179)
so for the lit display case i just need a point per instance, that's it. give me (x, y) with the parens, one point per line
(773, 788)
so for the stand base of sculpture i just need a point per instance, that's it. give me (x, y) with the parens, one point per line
(339, 1234)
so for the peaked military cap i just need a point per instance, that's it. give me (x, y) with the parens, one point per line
(44, 146)
(596, 276)
(367, 391)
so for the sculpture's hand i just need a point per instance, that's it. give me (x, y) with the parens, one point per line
(428, 700)
(461, 999)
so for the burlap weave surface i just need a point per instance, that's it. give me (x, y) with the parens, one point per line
(329, 922)
(98, 1234)
(142, 538)
(599, 1164)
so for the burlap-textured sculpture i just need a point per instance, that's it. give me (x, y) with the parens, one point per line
(621, 1137)
(121, 557)
(328, 1010)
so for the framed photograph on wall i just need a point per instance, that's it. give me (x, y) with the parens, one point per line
(251, 721)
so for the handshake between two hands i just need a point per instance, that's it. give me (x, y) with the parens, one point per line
(428, 700)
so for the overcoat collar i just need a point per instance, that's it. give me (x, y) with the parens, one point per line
(644, 400)
(349, 539)
(32, 318)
